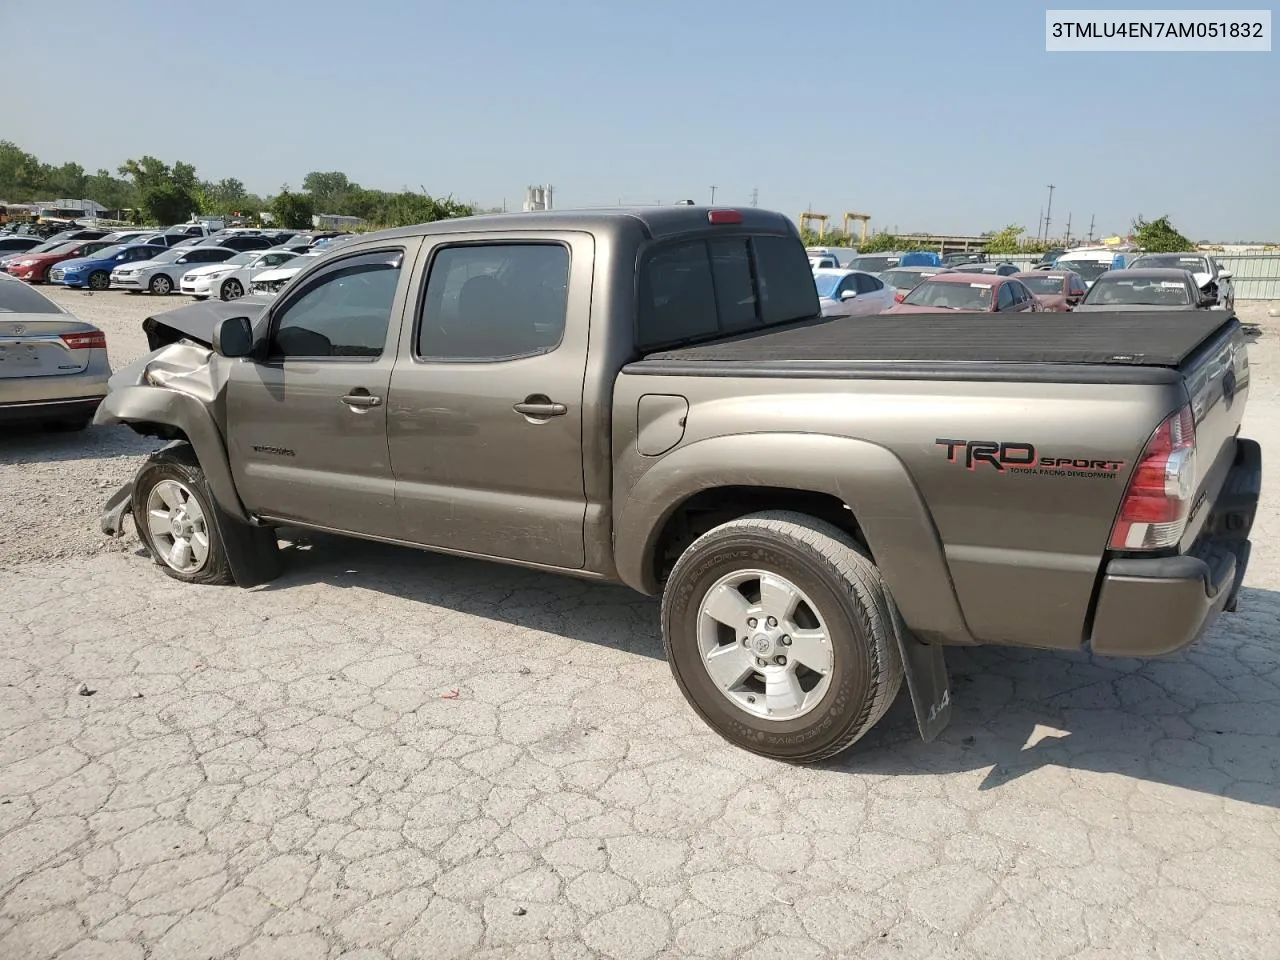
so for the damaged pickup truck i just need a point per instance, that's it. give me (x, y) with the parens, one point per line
(652, 397)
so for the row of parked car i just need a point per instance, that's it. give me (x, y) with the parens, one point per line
(1083, 279)
(190, 258)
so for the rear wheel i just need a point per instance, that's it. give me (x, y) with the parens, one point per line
(174, 515)
(781, 635)
(161, 285)
(232, 289)
(99, 280)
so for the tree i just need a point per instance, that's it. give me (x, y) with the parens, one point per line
(1005, 241)
(169, 203)
(292, 211)
(879, 242)
(329, 190)
(167, 195)
(1159, 236)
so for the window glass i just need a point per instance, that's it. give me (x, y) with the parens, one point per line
(735, 293)
(494, 301)
(1005, 300)
(677, 295)
(17, 297)
(786, 282)
(343, 313)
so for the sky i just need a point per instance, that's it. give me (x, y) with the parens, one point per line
(930, 116)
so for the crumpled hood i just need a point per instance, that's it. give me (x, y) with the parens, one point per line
(195, 321)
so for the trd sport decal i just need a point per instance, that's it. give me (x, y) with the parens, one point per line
(1008, 457)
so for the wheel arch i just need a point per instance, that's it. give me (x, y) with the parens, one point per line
(168, 414)
(861, 487)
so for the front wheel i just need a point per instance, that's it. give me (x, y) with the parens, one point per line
(174, 515)
(161, 285)
(232, 289)
(99, 280)
(781, 635)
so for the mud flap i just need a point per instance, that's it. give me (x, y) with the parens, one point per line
(113, 514)
(925, 665)
(253, 553)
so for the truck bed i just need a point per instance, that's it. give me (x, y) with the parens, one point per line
(1146, 339)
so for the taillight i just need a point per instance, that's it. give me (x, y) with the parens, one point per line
(1154, 512)
(724, 216)
(97, 340)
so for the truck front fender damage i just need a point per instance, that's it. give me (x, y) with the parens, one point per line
(178, 393)
(886, 505)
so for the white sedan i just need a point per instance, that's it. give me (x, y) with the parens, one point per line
(270, 282)
(232, 278)
(852, 293)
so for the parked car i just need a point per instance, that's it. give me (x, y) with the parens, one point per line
(189, 230)
(1002, 269)
(13, 244)
(904, 279)
(128, 236)
(968, 293)
(825, 518)
(78, 233)
(34, 267)
(1057, 290)
(94, 271)
(957, 259)
(1209, 276)
(1089, 262)
(1048, 258)
(239, 241)
(270, 282)
(851, 293)
(53, 367)
(920, 258)
(824, 261)
(230, 279)
(1139, 288)
(872, 262)
(44, 246)
(160, 275)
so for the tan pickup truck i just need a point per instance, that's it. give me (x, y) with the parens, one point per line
(651, 396)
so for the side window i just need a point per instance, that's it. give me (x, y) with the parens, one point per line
(344, 312)
(847, 285)
(1005, 300)
(868, 283)
(498, 301)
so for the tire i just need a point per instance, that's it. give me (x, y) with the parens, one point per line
(160, 285)
(840, 589)
(99, 280)
(232, 289)
(171, 481)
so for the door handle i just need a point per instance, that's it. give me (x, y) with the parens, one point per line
(361, 400)
(540, 407)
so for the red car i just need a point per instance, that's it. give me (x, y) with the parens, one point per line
(34, 267)
(1057, 290)
(968, 293)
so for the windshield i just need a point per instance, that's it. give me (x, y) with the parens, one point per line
(1118, 289)
(1088, 269)
(46, 247)
(1174, 261)
(63, 247)
(17, 297)
(241, 259)
(949, 295)
(1045, 285)
(827, 285)
(906, 279)
(872, 264)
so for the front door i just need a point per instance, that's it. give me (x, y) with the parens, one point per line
(486, 419)
(308, 420)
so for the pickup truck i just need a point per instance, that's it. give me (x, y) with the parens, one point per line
(651, 397)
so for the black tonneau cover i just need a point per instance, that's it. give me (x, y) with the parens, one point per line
(1148, 339)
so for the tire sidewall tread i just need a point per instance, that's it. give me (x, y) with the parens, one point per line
(182, 466)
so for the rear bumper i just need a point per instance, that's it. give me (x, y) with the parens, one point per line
(1147, 608)
(40, 411)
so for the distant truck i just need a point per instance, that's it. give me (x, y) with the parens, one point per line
(651, 397)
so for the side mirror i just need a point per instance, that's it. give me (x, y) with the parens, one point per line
(848, 294)
(233, 337)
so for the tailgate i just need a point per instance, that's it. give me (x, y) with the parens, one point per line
(36, 349)
(1217, 381)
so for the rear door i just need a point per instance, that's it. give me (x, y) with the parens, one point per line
(307, 423)
(485, 418)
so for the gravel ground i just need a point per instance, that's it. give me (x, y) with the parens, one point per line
(389, 755)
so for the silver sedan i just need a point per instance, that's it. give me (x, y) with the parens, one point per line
(53, 367)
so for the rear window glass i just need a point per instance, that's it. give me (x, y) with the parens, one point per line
(17, 297)
(700, 289)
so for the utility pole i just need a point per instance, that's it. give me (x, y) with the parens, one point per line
(1091, 219)
(713, 194)
(1047, 212)
(755, 195)
(1040, 224)
(1067, 239)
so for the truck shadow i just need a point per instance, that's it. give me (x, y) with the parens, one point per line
(24, 443)
(1206, 719)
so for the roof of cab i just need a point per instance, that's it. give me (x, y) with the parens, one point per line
(654, 221)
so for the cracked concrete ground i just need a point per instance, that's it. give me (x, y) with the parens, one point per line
(389, 755)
